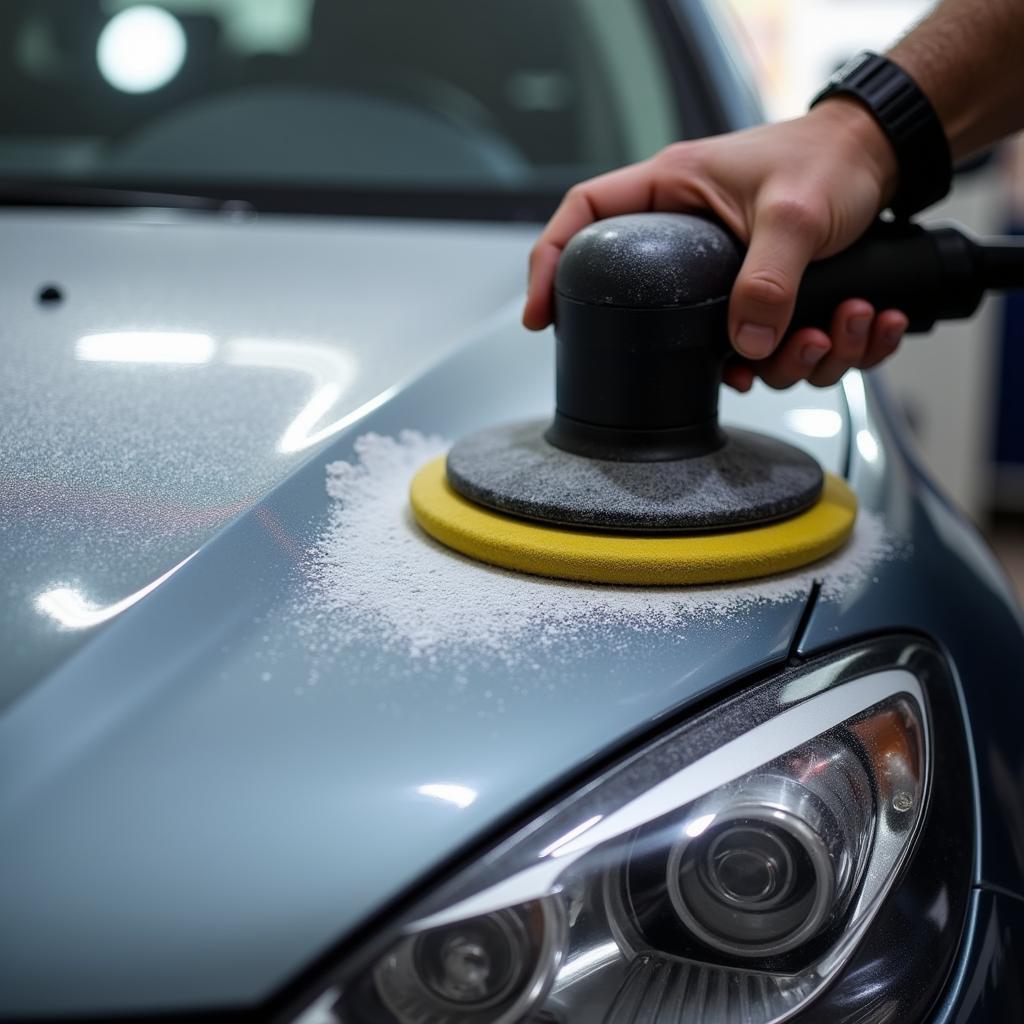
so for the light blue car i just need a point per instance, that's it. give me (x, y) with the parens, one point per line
(269, 753)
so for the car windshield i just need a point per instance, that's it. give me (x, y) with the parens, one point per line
(513, 96)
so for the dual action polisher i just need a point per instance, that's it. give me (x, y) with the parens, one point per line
(634, 481)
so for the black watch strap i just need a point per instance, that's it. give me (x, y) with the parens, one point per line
(909, 121)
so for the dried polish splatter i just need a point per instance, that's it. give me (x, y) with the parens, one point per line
(376, 577)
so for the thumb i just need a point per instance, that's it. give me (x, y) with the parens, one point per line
(782, 243)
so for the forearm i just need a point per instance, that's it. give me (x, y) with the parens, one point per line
(966, 57)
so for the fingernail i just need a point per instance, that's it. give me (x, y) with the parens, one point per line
(755, 341)
(891, 336)
(859, 326)
(811, 355)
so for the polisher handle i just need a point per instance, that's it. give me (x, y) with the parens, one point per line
(641, 330)
(930, 274)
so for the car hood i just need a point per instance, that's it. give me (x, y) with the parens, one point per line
(199, 793)
(192, 364)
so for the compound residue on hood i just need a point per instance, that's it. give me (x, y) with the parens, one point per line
(374, 576)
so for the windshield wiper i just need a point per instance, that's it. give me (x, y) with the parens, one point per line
(24, 193)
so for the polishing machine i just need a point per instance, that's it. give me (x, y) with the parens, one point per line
(635, 481)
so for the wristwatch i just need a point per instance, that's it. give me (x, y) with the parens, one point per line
(909, 121)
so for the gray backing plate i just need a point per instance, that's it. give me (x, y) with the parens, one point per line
(752, 479)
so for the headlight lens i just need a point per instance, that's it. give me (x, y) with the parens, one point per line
(726, 872)
(765, 864)
(482, 970)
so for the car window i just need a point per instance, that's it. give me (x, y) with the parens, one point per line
(520, 95)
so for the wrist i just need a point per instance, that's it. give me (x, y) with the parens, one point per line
(906, 116)
(864, 140)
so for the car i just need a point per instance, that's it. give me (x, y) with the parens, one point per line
(268, 752)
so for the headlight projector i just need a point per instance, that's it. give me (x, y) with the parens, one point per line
(634, 481)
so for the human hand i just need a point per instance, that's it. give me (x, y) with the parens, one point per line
(793, 192)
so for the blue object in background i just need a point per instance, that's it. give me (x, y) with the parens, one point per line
(1010, 415)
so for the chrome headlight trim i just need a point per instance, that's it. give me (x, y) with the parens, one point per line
(735, 758)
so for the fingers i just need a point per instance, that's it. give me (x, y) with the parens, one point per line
(739, 376)
(796, 359)
(537, 313)
(886, 334)
(626, 190)
(850, 332)
(858, 338)
(784, 239)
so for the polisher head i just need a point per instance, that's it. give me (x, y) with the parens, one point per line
(634, 481)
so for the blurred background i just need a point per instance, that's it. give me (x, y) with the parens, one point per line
(956, 386)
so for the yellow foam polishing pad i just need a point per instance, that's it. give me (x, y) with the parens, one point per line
(594, 556)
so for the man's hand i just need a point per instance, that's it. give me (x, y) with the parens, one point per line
(793, 192)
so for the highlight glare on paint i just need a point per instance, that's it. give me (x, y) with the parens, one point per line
(73, 610)
(814, 422)
(867, 445)
(332, 370)
(145, 347)
(461, 796)
(141, 49)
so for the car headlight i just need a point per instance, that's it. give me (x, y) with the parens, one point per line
(729, 871)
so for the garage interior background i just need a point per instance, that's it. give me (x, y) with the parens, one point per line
(956, 386)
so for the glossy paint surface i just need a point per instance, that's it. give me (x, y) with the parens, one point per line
(990, 985)
(186, 822)
(193, 363)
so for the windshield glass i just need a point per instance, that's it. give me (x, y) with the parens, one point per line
(514, 95)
